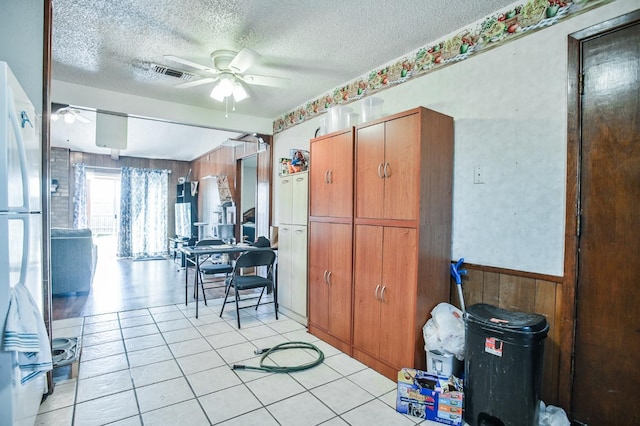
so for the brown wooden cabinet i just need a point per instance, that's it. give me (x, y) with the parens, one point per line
(397, 242)
(384, 292)
(330, 238)
(331, 176)
(330, 272)
(387, 169)
(402, 235)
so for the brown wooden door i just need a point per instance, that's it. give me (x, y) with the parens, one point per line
(367, 284)
(606, 381)
(319, 245)
(370, 172)
(402, 168)
(339, 280)
(320, 159)
(331, 177)
(398, 296)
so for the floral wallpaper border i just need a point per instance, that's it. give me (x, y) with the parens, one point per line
(492, 31)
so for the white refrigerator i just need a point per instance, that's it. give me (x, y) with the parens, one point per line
(20, 238)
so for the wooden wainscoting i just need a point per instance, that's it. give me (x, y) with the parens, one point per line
(524, 292)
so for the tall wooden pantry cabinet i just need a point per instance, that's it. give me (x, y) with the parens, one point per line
(330, 238)
(292, 245)
(402, 235)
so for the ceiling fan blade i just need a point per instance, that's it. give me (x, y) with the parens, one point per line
(263, 80)
(81, 119)
(243, 60)
(195, 83)
(190, 63)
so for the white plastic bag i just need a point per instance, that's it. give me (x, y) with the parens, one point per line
(444, 332)
(552, 416)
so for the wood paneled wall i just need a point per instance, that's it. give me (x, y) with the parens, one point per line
(524, 292)
(178, 169)
(225, 161)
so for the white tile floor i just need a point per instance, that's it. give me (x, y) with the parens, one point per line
(161, 366)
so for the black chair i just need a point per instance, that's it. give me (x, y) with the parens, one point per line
(212, 266)
(252, 259)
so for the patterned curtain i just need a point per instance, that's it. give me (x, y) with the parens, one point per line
(143, 213)
(80, 197)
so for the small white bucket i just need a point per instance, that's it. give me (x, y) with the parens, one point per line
(338, 118)
(371, 109)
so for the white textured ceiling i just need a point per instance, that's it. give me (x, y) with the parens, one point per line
(318, 45)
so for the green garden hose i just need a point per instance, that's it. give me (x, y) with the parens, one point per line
(283, 369)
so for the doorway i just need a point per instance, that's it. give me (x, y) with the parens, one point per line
(604, 189)
(103, 208)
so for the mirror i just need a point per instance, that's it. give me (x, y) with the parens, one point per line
(248, 197)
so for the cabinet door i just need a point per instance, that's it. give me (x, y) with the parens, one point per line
(367, 285)
(370, 172)
(402, 168)
(331, 180)
(319, 237)
(286, 199)
(340, 280)
(285, 265)
(299, 199)
(298, 279)
(398, 296)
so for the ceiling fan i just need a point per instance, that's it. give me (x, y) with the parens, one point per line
(69, 115)
(228, 70)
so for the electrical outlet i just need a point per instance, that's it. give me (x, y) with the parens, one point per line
(478, 174)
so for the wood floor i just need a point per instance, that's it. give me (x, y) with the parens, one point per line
(125, 284)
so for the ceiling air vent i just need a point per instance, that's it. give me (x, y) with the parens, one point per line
(171, 72)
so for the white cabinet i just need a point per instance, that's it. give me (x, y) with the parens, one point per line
(293, 200)
(292, 271)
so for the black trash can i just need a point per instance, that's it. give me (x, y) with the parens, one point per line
(503, 366)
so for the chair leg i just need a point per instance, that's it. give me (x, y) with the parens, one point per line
(226, 295)
(260, 298)
(204, 296)
(275, 300)
(236, 292)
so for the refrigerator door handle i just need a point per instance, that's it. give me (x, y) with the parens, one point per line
(15, 124)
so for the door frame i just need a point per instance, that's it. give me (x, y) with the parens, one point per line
(574, 132)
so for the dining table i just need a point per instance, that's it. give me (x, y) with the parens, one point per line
(196, 255)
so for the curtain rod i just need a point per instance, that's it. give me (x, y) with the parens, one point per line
(111, 168)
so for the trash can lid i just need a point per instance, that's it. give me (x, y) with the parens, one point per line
(497, 318)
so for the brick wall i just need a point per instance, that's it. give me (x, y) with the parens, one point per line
(60, 201)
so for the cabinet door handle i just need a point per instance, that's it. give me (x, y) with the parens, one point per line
(382, 293)
(330, 176)
(329, 278)
(380, 171)
(285, 181)
(376, 292)
(299, 179)
(325, 276)
(387, 170)
(326, 176)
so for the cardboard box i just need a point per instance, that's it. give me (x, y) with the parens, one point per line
(429, 396)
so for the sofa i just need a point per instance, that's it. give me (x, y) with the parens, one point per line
(73, 260)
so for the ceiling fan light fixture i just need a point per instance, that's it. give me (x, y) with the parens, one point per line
(223, 89)
(239, 92)
(55, 116)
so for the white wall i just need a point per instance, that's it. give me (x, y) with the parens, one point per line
(510, 111)
(21, 44)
